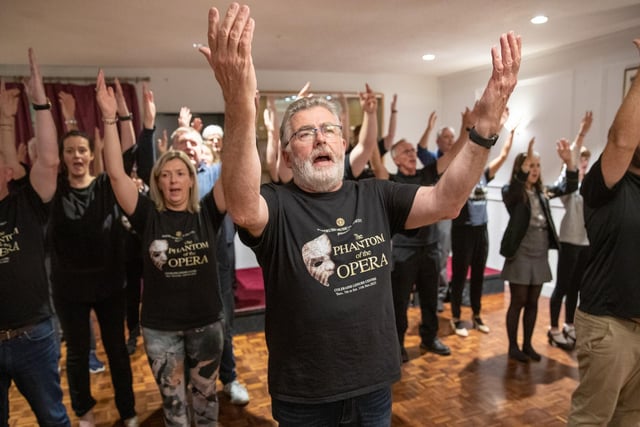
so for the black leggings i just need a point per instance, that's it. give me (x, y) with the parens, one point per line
(523, 297)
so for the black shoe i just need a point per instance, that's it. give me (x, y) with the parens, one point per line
(131, 345)
(569, 333)
(436, 346)
(529, 351)
(516, 354)
(132, 342)
(404, 355)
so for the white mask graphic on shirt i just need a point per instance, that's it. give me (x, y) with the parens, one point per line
(158, 253)
(317, 258)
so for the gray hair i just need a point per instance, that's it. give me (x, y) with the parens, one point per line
(302, 104)
(442, 129)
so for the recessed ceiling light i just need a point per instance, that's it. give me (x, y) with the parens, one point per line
(540, 19)
(428, 57)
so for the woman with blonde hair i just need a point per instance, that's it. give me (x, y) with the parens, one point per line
(182, 312)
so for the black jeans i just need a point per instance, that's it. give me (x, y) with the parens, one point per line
(74, 318)
(419, 265)
(470, 248)
(572, 261)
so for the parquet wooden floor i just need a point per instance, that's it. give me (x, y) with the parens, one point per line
(476, 386)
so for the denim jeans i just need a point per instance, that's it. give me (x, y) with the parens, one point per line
(186, 363)
(226, 278)
(31, 361)
(368, 410)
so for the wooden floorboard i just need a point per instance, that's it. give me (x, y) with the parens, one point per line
(476, 386)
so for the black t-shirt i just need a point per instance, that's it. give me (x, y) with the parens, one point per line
(330, 325)
(87, 241)
(181, 288)
(428, 234)
(24, 289)
(610, 285)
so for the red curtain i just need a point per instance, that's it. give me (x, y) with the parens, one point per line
(87, 110)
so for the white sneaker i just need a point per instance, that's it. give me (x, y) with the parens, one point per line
(87, 420)
(458, 328)
(479, 325)
(236, 392)
(132, 422)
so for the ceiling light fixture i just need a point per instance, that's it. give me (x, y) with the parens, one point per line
(540, 19)
(428, 57)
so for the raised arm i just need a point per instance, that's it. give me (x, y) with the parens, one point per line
(496, 164)
(445, 199)
(145, 156)
(578, 142)
(127, 133)
(162, 144)
(621, 152)
(273, 140)
(426, 156)
(68, 107)
(43, 175)
(97, 166)
(8, 108)
(393, 121)
(377, 164)
(368, 137)
(123, 186)
(229, 55)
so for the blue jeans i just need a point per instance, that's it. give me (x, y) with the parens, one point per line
(31, 361)
(368, 410)
(226, 278)
(185, 366)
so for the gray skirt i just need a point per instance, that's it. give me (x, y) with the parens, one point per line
(530, 264)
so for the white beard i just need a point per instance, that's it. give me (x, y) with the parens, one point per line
(322, 180)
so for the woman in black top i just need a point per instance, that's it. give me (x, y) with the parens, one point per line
(88, 273)
(527, 239)
(182, 312)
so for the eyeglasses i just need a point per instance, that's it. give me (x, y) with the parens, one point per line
(330, 131)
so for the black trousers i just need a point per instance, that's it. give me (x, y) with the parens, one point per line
(74, 318)
(470, 248)
(419, 266)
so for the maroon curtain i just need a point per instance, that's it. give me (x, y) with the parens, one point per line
(87, 110)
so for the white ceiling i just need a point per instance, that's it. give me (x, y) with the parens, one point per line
(361, 36)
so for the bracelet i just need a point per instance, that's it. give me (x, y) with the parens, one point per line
(125, 118)
(394, 111)
(108, 121)
(70, 122)
(6, 125)
(39, 107)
